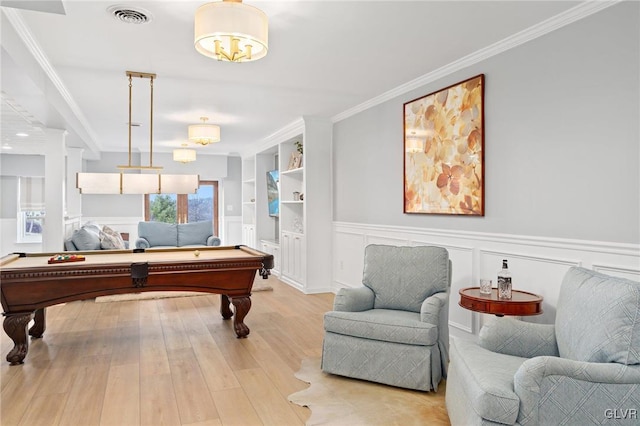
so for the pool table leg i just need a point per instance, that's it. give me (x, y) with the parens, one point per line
(242, 305)
(15, 325)
(225, 309)
(39, 324)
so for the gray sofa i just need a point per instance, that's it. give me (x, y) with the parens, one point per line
(582, 370)
(160, 234)
(92, 236)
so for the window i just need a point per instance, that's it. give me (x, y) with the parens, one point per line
(31, 210)
(183, 208)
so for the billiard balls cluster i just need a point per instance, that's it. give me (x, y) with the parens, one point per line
(66, 258)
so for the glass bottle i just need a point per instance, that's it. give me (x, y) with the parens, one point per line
(504, 282)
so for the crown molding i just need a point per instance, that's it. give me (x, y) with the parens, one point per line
(562, 19)
(24, 34)
(289, 131)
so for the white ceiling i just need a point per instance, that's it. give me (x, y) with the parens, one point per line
(325, 57)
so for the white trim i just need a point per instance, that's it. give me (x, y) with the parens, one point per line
(565, 18)
(287, 132)
(614, 270)
(461, 327)
(548, 242)
(544, 259)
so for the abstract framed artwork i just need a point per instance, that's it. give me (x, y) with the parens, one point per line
(444, 151)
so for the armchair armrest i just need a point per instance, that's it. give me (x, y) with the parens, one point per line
(213, 241)
(550, 386)
(524, 339)
(142, 243)
(354, 299)
(430, 310)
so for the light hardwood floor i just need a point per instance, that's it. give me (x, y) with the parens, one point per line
(167, 361)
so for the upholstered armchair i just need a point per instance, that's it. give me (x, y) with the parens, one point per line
(584, 369)
(394, 329)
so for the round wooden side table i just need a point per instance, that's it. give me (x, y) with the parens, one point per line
(522, 302)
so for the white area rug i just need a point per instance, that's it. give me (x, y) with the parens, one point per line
(258, 285)
(337, 400)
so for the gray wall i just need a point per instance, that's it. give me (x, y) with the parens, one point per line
(232, 186)
(562, 151)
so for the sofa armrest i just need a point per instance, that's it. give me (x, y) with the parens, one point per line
(142, 243)
(354, 299)
(557, 387)
(213, 241)
(518, 338)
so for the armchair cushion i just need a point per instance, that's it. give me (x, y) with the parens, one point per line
(524, 339)
(598, 318)
(384, 325)
(403, 277)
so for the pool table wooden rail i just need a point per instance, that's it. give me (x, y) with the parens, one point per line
(27, 290)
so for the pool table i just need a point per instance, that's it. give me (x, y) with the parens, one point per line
(29, 283)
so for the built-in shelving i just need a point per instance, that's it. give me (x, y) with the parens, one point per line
(303, 229)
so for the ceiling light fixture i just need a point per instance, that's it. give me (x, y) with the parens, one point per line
(22, 134)
(204, 134)
(130, 183)
(231, 31)
(184, 155)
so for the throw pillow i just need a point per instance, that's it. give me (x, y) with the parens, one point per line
(598, 318)
(85, 240)
(110, 239)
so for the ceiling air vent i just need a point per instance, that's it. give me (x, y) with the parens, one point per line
(129, 15)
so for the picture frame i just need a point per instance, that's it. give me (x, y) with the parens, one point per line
(444, 150)
(295, 160)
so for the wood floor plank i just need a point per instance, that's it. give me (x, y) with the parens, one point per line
(86, 397)
(44, 410)
(271, 407)
(17, 395)
(158, 405)
(192, 395)
(235, 408)
(216, 371)
(121, 404)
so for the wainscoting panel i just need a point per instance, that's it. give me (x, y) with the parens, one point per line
(537, 264)
(348, 260)
(618, 271)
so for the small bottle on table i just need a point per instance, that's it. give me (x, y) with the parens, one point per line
(504, 282)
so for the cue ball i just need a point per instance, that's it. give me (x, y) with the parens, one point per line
(196, 253)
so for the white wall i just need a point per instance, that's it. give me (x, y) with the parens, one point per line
(562, 158)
